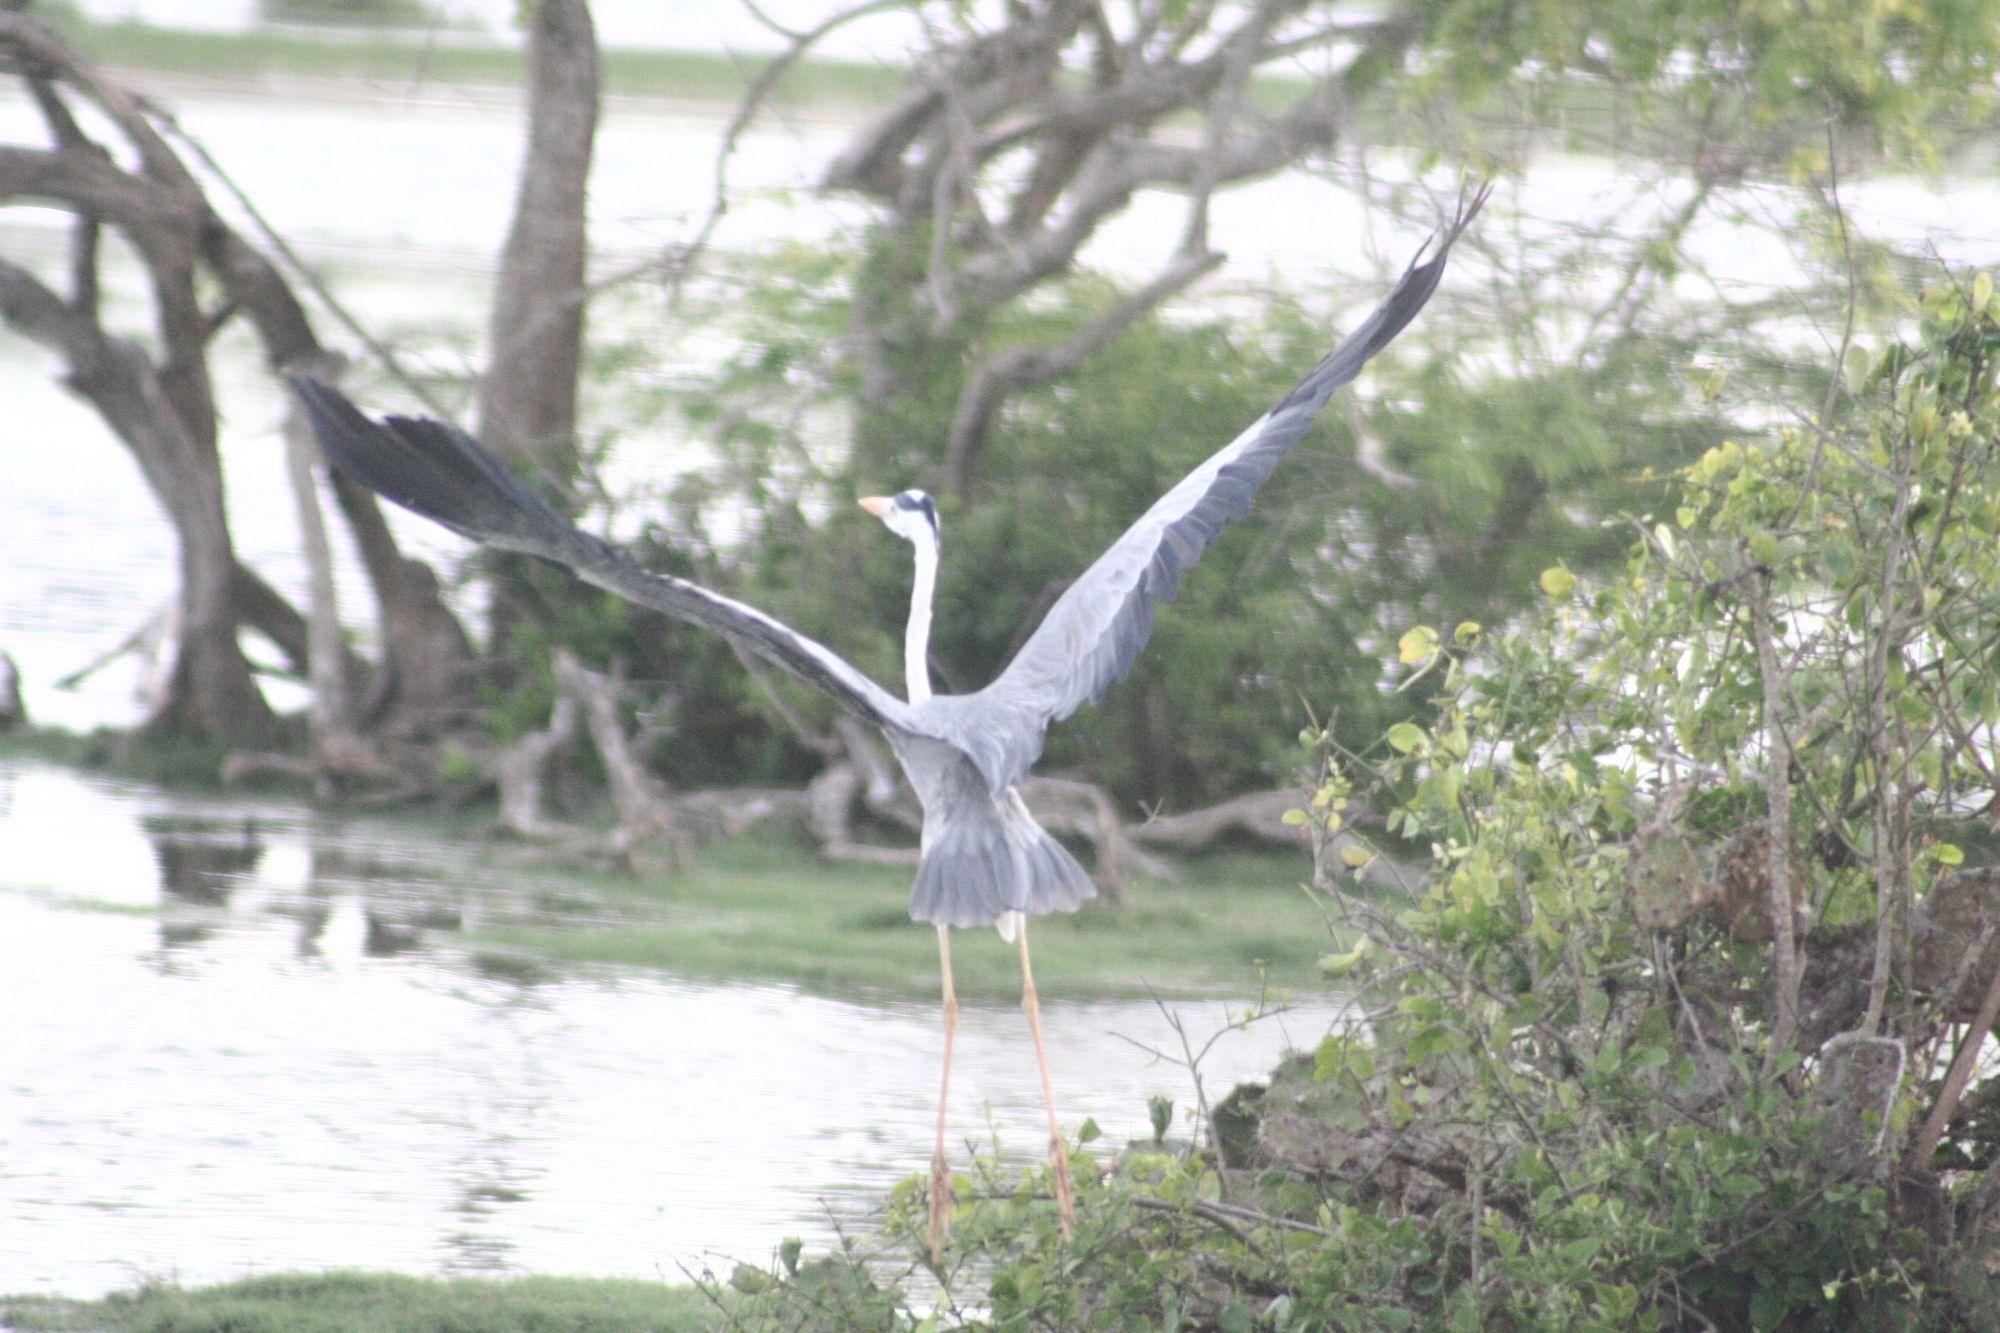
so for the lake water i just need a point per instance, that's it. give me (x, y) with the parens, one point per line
(212, 1066)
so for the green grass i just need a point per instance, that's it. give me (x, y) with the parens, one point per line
(410, 59)
(340, 1302)
(760, 909)
(163, 759)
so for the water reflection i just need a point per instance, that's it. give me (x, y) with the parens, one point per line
(240, 1036)
(200, 859)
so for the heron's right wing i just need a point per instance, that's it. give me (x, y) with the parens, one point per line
(1092, 635)
(436, 470)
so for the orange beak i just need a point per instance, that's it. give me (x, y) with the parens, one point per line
(877, 505)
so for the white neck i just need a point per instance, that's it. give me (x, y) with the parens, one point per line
(917, 635)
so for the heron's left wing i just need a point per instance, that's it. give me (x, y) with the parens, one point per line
(1092, 635)
(437, 470)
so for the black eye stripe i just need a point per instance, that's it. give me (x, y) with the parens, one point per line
(918, 502)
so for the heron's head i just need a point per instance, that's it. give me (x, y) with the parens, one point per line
(911, 515)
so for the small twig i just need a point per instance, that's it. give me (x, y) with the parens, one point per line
(1847, 252)
(681, 262)
(378, 349)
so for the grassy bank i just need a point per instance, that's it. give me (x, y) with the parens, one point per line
(380, 1302)
(411, 60)
(763, 908)
(261, 57)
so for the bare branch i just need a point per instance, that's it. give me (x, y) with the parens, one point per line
(1972, 1042)
(681, 259)
(1022, 367)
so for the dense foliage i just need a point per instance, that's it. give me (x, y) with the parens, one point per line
(1679, 1030)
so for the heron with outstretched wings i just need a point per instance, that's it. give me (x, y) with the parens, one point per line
(984, 860)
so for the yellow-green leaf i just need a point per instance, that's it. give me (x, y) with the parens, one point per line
(1982, 290)
(1855, 363)
(1556, 581)
(1417, 645)
(1405, 737)
(1354, 856)
(1293, 818)
(1340, 964)
(1948, 854)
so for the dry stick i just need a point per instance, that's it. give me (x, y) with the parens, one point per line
(1224, 1215)
(1787, 963)
(1955, 1080)
(1847, 250)
(1215, 1215)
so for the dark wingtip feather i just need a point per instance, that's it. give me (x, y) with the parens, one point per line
(1412, 292)
(429, 467)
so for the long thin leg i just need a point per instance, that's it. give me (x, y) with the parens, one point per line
(940, 1172)
(1058, 1152)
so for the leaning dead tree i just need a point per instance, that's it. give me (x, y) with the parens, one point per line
(123, 176)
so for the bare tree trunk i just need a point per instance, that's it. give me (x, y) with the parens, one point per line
(332, 706)
(527, 399)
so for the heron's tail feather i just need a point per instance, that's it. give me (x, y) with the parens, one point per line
(982, 863)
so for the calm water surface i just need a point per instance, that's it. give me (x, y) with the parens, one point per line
(211, 1065)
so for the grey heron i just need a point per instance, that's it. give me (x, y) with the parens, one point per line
(984, 860)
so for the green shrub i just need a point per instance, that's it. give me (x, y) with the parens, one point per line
(1672, 1034)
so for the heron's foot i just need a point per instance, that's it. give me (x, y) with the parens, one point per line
(1065, 1193)
(940, 1207)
